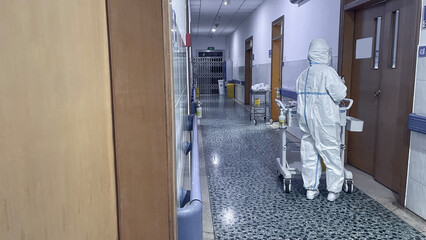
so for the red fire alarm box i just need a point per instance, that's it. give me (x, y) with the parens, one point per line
(188, 40)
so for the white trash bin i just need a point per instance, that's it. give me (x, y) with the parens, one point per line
(221, 87)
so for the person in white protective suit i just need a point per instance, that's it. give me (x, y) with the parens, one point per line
(320, 91)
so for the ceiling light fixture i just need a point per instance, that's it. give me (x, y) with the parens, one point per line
(226, 2)
(214, 28)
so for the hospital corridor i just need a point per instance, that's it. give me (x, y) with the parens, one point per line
(246, 195)
(212, 119)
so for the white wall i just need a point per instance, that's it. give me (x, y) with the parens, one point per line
(416, 182)
(314, 19)
(179, 8)
(302, 23)
(202, 43)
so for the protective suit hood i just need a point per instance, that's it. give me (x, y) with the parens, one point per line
(319, 52)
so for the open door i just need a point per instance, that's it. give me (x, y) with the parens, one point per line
(276, 64)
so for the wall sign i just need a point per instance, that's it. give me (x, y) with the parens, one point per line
(422, 51)
(424, 17)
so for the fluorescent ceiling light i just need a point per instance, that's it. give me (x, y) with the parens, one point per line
(214, 27)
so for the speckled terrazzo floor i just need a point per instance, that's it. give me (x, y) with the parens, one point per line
(247, 200)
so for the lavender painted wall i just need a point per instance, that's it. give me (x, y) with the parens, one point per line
(202, 43)
(302, 23)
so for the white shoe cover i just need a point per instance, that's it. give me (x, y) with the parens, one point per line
(332, 196)
(311, 194)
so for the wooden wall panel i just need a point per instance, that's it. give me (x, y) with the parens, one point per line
(57, 161)
(143, 117)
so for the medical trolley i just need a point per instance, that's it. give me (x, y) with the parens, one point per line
(260, 105)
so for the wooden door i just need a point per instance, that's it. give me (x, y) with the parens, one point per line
(248, 69)
(276, 64)
(397, 87)
(366, 81)
(57, 174)
(144, 132)
(382, 87)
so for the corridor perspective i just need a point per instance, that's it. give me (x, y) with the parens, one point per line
(212, 119)
(246, 194)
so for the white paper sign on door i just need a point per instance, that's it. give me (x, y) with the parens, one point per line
(364, 48)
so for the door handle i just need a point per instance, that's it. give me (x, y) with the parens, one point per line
(377, 93)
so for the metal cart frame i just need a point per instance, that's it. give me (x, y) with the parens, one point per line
(263, 109)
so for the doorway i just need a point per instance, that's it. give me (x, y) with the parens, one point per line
(277, 41)
(248, 69)
(378, 48)
(207, 71)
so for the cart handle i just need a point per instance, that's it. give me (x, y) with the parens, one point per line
(350, 101)
(280, 104)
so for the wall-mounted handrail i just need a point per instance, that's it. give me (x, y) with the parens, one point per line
(236, 82)
(417, 123)
(195, 165)
(190, 217)
(193, 101)
(288, 93)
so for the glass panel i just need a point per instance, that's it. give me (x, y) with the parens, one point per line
(179, 66)
(395, 23)
(276, 30)
(377, 42)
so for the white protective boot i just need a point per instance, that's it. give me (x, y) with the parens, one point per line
(311, 194)
(332, 196)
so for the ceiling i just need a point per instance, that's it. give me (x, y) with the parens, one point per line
(205, 14)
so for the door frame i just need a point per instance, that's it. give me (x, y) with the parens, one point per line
(247, 87)
(345, 60)
(137, 162)
(275, 22)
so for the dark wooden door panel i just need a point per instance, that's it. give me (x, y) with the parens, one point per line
(397, 85)
(276, 75)
(365, 82)
(248, 75)
(277, 41)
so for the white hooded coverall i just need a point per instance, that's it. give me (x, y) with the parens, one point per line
(320, 91)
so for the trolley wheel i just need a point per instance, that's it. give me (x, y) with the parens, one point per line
(254, 121)
(277, 173)
(287, 185)
(348, 186)
(271, 121)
